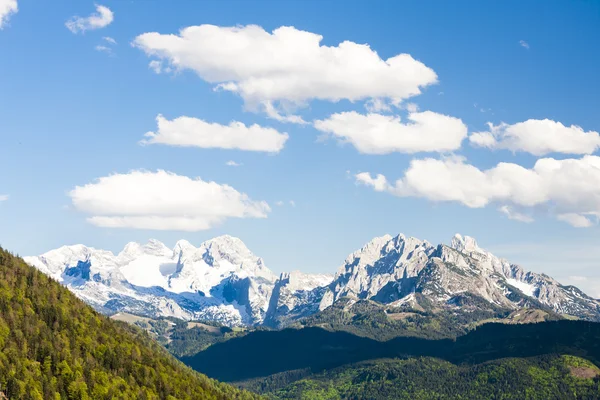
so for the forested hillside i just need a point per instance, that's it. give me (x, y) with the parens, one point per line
(54, 346)
(537, 378)
(318, 349)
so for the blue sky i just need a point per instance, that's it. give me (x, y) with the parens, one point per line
(70, 114)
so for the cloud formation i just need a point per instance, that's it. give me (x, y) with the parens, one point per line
(162, 201)
(100, 19)
(7, 8)
(515, 215)
(232, 163)
(194, 132)
(104, 49)
(569, 189)
(285, 68)
(538, 137)
(3, 197)
(384, 134)
(576, 220)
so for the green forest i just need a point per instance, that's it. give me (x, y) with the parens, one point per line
(54, 346)
(539, 378)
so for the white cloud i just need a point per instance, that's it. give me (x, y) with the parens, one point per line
(103, 17)
(162, 201)
(273, 113)
(287, 66)
(411, 107)
(515, 215)
(104, 49)
(3, 197)
(377, 105)
(383, 134)
(576, 220)
(7, 8)
(156, 66)
(281, 203)
(232, 163)
(524, 44)
(379, 183)
(569, 189)
(194, 132)
(538, 137)
(109, 40)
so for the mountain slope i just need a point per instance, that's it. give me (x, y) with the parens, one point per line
(53, 345)
(410, 274)
(318, 349)
(547, 377)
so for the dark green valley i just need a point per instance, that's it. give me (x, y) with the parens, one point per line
(556, 359)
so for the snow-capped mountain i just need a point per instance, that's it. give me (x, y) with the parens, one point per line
(392, 269)
(221, 280)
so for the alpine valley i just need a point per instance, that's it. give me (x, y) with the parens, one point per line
(393, 286)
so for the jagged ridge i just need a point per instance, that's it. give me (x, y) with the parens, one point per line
(221, 280)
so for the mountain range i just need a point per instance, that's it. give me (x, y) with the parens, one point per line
(223, 281)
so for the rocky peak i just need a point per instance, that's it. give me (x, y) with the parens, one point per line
(296, 280)
(226, 248)
(183, 246)
(465, 244)
(152, 248)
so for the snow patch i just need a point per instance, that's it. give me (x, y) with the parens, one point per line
(524, 287)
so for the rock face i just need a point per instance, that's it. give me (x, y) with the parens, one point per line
(221, 280)
(390, 269)
(294, 296)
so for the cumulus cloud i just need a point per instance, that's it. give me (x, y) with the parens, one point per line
(232, 163)
(569, 189)
(383, 134)
(379, 183)
(7, 8)
(101, 18)
(109, 40)
(538, 137)
(286, 66)
(193, 132)
(162, 201)
(3, 197)
(524, 44)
